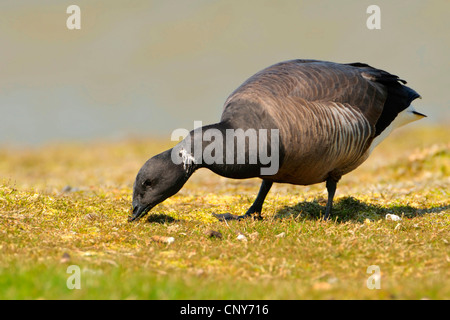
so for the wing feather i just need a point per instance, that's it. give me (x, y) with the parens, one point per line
(377, 94)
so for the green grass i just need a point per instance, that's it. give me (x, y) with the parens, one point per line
(291, 254)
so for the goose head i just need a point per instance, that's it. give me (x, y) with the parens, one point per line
(158, 179)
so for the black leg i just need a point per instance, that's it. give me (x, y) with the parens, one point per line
(256, 207)
(331, 188)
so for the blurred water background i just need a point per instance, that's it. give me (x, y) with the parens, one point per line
(144, 68)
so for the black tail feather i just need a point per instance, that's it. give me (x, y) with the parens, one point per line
(399, 96)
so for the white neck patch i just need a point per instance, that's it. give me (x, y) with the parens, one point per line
(186, 158)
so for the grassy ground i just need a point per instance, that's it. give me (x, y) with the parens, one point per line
(47, 226)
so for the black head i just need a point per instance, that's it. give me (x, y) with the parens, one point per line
(158, 179)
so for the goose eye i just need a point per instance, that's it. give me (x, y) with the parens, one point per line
(147, 183)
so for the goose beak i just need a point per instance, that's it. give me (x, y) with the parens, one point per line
(138, 211)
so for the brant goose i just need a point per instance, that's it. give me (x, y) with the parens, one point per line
(320, 119)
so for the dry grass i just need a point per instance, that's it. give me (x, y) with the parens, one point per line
(291, 254)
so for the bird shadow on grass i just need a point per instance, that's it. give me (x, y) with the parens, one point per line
(344, 209)
(160, 218)
(351, 209)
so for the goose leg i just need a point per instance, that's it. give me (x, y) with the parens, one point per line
(331, 188)
(256, 207)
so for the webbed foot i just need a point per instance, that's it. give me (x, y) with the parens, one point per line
(229, 216)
